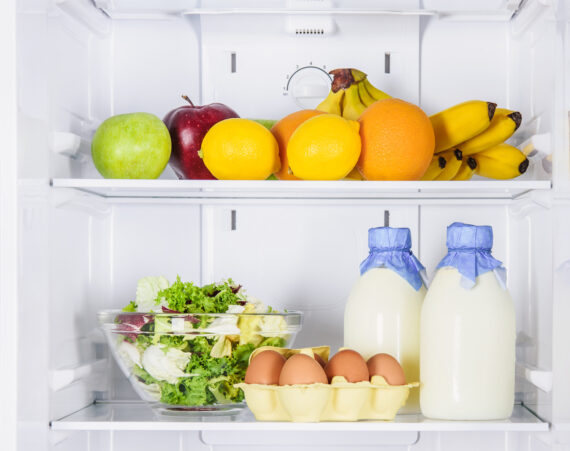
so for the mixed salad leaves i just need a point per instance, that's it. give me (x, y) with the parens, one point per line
(181, 352)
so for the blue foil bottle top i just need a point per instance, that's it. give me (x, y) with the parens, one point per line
(391, 248)
(469, 251)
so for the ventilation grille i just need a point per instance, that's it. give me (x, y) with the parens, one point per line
(309, 31)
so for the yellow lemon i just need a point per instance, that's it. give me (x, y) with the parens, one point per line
(240, 149)
(325, 147)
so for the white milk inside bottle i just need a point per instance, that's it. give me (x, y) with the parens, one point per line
(467, 358)
(382, 314)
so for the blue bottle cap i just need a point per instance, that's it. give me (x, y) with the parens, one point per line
(467, 236)
(469, 251)
(391, 248)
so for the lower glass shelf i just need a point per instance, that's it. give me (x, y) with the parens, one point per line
(138, 416)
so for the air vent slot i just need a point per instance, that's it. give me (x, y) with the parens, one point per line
(309, 31)
(310, 25)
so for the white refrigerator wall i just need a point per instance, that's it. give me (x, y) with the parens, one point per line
(80, 253)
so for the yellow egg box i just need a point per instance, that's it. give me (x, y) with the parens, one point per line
(338, 401)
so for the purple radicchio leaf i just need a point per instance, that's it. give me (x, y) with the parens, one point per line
(192, 319)
(132, 323)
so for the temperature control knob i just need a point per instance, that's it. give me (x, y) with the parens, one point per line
(308, 86)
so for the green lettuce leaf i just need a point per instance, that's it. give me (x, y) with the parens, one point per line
(147, 293)
(132, 307)
(185, 297)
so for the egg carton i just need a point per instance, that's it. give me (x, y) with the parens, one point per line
(338, 401)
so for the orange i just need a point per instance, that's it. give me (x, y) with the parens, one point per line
(397, 141)
(282, 131)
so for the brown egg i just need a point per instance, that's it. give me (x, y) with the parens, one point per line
(302, 369)
(265, 368)
(388, 367)
(319, 359)
(349, 364)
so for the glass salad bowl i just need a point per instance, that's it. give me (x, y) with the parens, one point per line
(189, 362)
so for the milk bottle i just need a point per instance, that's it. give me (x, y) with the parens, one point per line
(382, 313)
(467, 359)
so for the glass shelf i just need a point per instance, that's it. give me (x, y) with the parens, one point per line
(492, 9)
(281, 189)
(135, 416)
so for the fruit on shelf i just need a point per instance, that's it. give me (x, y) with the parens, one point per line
(467, 169)
(365, 97)
(282, 131)
(354, 175)
(503, 125)
(351, 93)
(454, 159)
(267, 123)
(397, 141)
(368, 89)
(352, 106)
(501, 162)
(333, 103)
(325, 147)
(376, 93)
(357, 75)
(131, 146)
(188, 125)
(436, 166)
(460, 123)
(240, 149)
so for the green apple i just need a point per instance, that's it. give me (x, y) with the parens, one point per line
(131, 146)
(267, 123)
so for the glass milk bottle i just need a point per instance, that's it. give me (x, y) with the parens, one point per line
(467, 359)
(382, 313)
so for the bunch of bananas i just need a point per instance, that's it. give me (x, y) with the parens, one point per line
(351, 93)
(469, 139)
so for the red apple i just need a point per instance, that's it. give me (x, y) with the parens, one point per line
(188, 125)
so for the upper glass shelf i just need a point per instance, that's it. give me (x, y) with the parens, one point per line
(281, 189)
(492, 8)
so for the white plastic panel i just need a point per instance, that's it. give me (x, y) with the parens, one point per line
(194, 441)
(152, 239)
(9, 225)
(72, 312)
(561, 313)
(33, 305)
(73, 82)
(468, 5)
(538, 313)
(267, 53)
(535, 89)
(145, 441)
(457, 64)
(154, 63)
(32, 55)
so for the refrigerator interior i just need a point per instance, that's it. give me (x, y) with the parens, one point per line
(84, 241)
